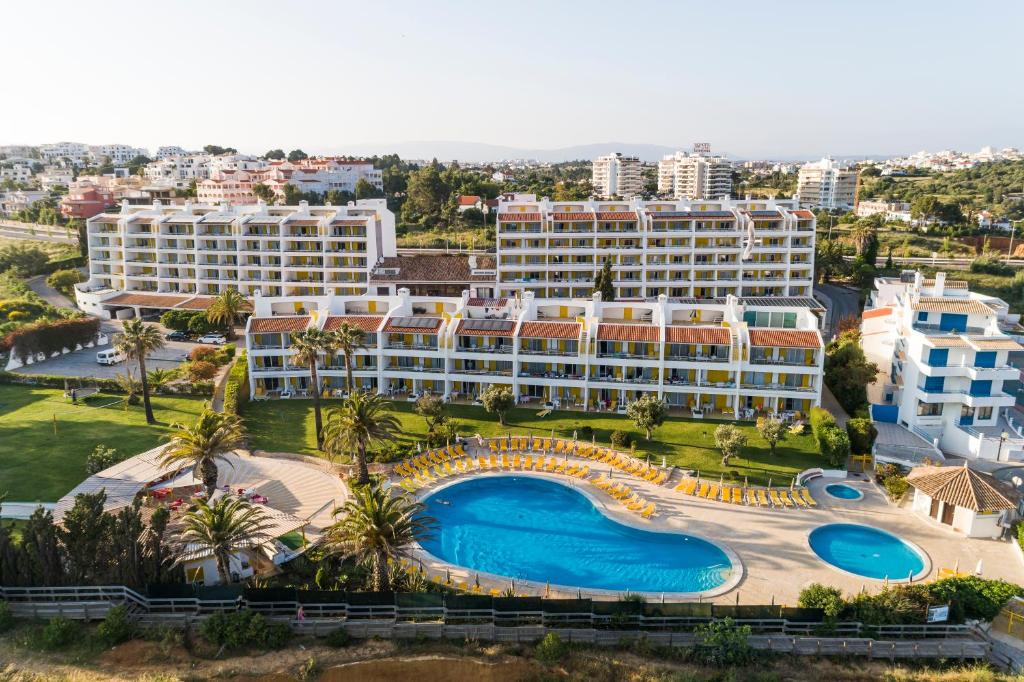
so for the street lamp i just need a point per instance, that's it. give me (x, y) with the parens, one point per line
(1013, 230)
(1002, 439)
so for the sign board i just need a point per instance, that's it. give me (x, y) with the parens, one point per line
(701, 147)
(938, 614)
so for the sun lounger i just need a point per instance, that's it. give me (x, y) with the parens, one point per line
(626, 492)
(536, 444)
(806, 494)
(584, 472)
(705, 488)
(724, 494)
(517, 461)
(493, 445)
(527, 462)
(448, 469)
(688, 486)
(762, 498)
(571, 471)
(559, 446)
(648, 511)
(797, 500)
(481, 462)
(786, 499)
(547, 444)
(460, 450)
(712, 493)
(660, 478)
(737, 495)
(407, 485)
(602, 482)
(504, 461)
(751, 496)
(560, 469)
(550, 466)
(636, 504)
(494, 461)
(776, 500)
(504, 445)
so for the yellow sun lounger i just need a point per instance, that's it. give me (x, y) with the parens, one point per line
(460, 450)
(560, 469)
(762, 498)
(494, 461)
(806, 494)
(724, 494)
(751, 496)
(776, 500)
(637, 504)
(626, 492)
(559, 446)
(536, 443)
(712, 493)
(460, 464)
(550, 466)
(448, 469)
(493, 445)
(571, 471)
(797, 500)
(517, 462)
(648, 511)
(660, 478)
(547, 444)
(504, 445)
(737, 496)
(481, 462)
(786, 499)
(504, 461)
(705, 488)
(527, 462)
(584, 472)
(602, 482)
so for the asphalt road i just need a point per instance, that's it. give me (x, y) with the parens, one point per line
(47, 293)
(844, 303)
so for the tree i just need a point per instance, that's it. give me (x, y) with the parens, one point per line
(604, 282)
(828, 261)
(888, 260)
(773, 431)
(101, 458)
(375, 527)
(349, 340)
(216, 150)
(275, 154)
(137, 340)
(25, 259)
(84, 534)
(431, 408)
(730, 441)
(648, 413)
(297, 155)
(203, 444)
(848, 372)
(64, 281)
(862, 434)
(307, 347)
(264, 193)
(201, 370)
(362, 420)
(425, 194)
(498, 399)
(223, 529)
(228, 309)
(159, 378)
(365, 190)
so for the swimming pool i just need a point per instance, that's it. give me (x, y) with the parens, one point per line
(535, 529)
(843, 491)
(866, 551)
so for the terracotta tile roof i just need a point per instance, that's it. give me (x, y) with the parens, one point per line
(950, 283)
(947, 342)
(628, 332)
(995, 343)
(963, 487)
(764, 215)
(413, 325)
(197, 303)
(147, 300)
(304, 222)
(486, 327)
(514, 217)
(549, 330)
(368, 323)
(714, 335)
(431, 268)
(468, 200)
(952, 305)
(804, 215)
(616, 215)
(487, 302)
(351, 222)
(269, 325)
(876, 312)
(576, 215)
(784, 338)
(106, 219)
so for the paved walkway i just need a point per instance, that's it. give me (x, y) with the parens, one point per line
(829, 402)
(47, 293)
(23, 510)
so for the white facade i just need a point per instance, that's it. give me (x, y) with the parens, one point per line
(699, 249)
(890, 210)
(179, 171)
(733, 357)
(692, 176)
(52, 177)
(947, 359)
(973, 524)
(76, 152)
(169, 151)
(615, 175)
(199, 250)
(827, 184)
(15, 172)
(119, 154)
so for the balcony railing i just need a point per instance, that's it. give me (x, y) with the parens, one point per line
(502, 350)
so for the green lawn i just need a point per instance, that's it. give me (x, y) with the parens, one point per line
(37, 464)
(287, 426)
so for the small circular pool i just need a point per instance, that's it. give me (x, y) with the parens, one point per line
(843, 491)
(866, 551)
(535, 529)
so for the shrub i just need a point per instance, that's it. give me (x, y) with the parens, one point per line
(51, 337)
(896, 487)
(820, 419)
(551, 649)
(64, 281)
(337, 638)
(621, 439)
(6, 617)
(818, 596)
(236, 388)
(585, 432)
(59, 632)
(991, 265)
(200, 325)
(116, 627)
(862, 435)
(17, 315)
(228, 349)
(201, 370)
(101, 458)
(202, 354)
(835, 445)
(723, 643)
(243, 629)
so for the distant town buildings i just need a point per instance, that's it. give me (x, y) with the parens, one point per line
(615, 175)
(694, 176)
(85, 199)
(78, 154)
(889, 210)
(827, 184)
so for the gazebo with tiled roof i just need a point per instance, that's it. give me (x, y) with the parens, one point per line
(971, 502)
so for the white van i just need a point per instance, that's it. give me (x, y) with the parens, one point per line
(110, 356)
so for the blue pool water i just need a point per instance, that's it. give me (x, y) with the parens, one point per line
(865, 551)
(843, 491)
(539, 530)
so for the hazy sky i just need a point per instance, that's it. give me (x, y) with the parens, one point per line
(753, 78)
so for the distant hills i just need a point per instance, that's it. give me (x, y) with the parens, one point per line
(478, 151)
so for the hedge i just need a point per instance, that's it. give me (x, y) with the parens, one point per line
(236, 389)
(51, 337)
(72, 263)
(105, 385)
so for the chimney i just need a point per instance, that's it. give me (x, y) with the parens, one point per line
(940, 284)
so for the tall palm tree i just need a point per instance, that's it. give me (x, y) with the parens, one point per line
(137, 340)
(213, 435)
(351, 339)
(228, 309)
(222, 528)
(374, 527)
(362, 420)
(307, 347)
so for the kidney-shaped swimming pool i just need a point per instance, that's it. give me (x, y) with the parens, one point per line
(535, 529)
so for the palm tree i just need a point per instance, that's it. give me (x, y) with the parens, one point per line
(351, 339)
(214, 435)
(159, 378)
(137, 340)
(307, 347)
(363, 419)
(374, 527)
(223, 528)
(228, 309)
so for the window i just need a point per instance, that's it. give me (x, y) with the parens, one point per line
(929, 409)
(984, 412)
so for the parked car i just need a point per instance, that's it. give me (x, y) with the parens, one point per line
(177, 336)
(110, 356)
(214, 339)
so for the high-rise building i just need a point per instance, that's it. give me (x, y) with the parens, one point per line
(615, 175)
(827, 184)
(693, 176)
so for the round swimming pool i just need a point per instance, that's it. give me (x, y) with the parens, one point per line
(866, 551)
(535, 529)
(843, 491)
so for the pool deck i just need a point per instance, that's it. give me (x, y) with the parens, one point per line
(771, 543)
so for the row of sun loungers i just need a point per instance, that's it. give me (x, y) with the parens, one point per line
(429, 459)
(465, 465)
(629, 465)
(629, 499)
(755, 497)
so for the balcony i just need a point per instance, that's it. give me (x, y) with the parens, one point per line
(934, 330)
(615, 379)
(394, 345)
(499, 350)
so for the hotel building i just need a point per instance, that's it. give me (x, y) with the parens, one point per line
(682, 249)
(692, 176)
(827, 184)
(732, 356)
(947, 358)
(149, 258)
(616, 175)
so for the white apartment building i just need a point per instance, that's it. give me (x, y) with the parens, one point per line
(890, 210)
(615, 175)
(55, 176)
(683, 249)
(169, 151)
(15, 172)
(151, 258)
(119, 154)
(179, 171)
(693, 176)
(320, 175)
(945, 353)
(827, 184)
(731, 358)
(76, 152)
